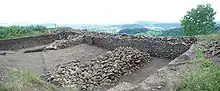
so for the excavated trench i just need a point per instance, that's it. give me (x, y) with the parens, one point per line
(44, 61)
(89, 47)
(39, 61)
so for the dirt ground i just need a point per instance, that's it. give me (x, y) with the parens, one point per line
(42, 61)
(39, 61)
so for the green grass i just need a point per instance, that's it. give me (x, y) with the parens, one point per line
(4, 88)
(18, 79)
(207, 39)
(204, 79)
(206, 76)
(21, 31)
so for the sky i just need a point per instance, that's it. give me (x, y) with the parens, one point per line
(98, 11)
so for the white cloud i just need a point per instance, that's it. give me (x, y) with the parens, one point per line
(98, 11)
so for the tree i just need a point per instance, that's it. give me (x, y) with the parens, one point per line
(199, 20)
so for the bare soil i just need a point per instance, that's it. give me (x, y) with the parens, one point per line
(39, 61)
(42, 61)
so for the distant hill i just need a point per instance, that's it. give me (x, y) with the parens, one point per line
(134, 30)
(217, 26)
(171, 25)
(168, 25)
(218, 22)
(159, 24)
(125, 26)
(145, 22)
(3, 24)
(139, 24)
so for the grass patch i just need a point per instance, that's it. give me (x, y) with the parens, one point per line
(207, 39)
(206, 75)
(21, 31)
(18, 79)
(21, 78)
(202, 79)
(4, 88)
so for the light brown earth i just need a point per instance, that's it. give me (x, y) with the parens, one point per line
(39, 61)
(42, 61)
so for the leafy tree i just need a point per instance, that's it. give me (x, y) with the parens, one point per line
(199, 20)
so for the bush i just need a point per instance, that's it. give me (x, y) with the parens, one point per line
(20, 31)
(204, 79)
(199, 20)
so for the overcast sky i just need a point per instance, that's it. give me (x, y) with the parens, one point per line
(98, 11)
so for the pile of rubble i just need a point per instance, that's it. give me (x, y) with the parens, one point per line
(104, 70)
(212, 51)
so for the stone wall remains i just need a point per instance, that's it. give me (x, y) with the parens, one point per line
(165, 47)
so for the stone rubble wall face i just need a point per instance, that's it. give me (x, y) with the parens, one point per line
(155, 48)
(167, 47)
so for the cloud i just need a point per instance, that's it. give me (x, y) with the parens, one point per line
(98, 11)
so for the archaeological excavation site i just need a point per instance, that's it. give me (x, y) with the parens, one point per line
(92, 61)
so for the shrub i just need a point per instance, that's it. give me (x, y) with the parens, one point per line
(20, 31)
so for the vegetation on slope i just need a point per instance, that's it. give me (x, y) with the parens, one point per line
(206, 76)
(170, 32)
(24, 80)
(134, 30)
(21, 31)
(18, 79)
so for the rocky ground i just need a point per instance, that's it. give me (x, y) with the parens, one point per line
(212, 51)
(39, 61)
(42, 61)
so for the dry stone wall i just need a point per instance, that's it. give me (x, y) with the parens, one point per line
(165, 47)
(212, 51)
